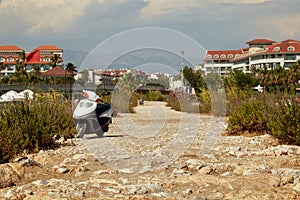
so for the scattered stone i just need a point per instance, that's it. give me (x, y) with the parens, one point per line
(297, 187)
(100, 172)
(205, 170)
(62, 170)
(11, 174)
(40, 182)
(78, 174)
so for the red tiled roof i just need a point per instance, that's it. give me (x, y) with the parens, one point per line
(279, 48)
(33, 57)
(56, 72)
(290, 41)
(260, 41)
(282, 48)
(48, 47)
(10, 48)
(221, 54)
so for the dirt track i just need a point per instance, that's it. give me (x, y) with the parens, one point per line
(163, 158)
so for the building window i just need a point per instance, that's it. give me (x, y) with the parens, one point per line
(47, 59)
(223, 56)
(230, 56)
(208, 56)
(237, 55)
(276, 49)
(291, 48)
(216, 56)
(290, 57)
(10, 59)
(10, 68)
(2, 59)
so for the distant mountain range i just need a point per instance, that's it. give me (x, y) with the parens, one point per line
(74, 56)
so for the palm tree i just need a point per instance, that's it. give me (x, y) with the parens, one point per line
(20, 73)
(70, 67)
(36, 71)
(55, 60)
(2, 66)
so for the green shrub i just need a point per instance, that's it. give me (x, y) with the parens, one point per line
(270, 114)
(249, 117)
(32, 125)
(284, 122)
(154, 95)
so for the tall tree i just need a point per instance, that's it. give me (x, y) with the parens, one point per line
(70, 67)
(36, 71)
(195, 78)
(20, 74)
(2, 66)
(55, 60)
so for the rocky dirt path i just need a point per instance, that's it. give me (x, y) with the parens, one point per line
(158, 153)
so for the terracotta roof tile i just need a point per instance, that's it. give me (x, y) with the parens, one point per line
(56, 72)
(282, 48)
(48, 47)
(223, 54)
(260, 41)
(290, 41)
(10, 48)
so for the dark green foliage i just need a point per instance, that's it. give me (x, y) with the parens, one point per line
(244, 81)
(32, 125)
(284, 122)
(250, 117)
(154, 96)
(195, 78)
(272, 115)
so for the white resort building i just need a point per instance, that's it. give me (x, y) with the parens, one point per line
(260, 54)
(41, 56)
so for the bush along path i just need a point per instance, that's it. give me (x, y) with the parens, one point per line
(31, 126)
(237, 167)
(280, 118)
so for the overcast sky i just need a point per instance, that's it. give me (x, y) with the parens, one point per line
(83, 24)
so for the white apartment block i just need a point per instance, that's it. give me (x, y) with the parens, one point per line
(261, 54)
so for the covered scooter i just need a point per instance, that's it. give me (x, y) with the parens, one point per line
(91, 115)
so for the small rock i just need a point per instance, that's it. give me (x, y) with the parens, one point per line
(145, 169)
(62, 170)
(11, 174)
(205, 170)
(250, 172)
(10, 194)
(76, 193)
(67, 161)
(286, 179)
(187, 192)
(40, 182)
(53, 194)
(112, 190)
(178, 171)
(225, 174)
(193, 162)
(80, 156)
(100, 172)
(78, 174)
(297, 187)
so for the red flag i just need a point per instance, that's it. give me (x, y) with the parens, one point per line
(33, 57)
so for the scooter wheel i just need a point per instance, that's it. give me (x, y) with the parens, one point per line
(81, 129)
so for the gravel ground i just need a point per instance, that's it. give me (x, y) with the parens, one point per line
(158, 153)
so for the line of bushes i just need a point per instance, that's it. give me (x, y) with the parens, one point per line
(269, 114)
(33, 125)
